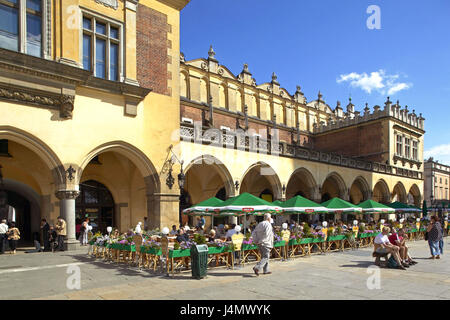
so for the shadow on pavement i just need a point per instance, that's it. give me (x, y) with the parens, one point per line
(360, 264)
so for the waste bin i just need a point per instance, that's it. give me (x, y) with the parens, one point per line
(199, 260)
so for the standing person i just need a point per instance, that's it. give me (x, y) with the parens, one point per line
(145, 224)
(3, 236)
(263, 237)
(84, 233)
(441, 241)
(61, 232)
(13, 237)
(45, 229)
(434, 230)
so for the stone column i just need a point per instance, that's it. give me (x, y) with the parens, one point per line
(67, 212)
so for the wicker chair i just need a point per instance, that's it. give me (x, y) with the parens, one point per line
(137, 239)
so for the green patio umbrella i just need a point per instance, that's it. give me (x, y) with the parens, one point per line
(204, 208)
(277, 203)
(244, 204)
(402, 207)
(299, 204)
(370, 206)
(337, 205)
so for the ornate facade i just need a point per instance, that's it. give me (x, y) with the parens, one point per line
(100, 111)
(239, 136)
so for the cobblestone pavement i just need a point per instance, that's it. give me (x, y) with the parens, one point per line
(339, 275)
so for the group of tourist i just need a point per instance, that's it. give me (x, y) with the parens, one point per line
(53, 235)
(9, 235)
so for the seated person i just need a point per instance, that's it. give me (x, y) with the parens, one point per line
(212, 235)
(399, 240)
(382, 245)
(174, 231)
(230, 232)
(182, 236)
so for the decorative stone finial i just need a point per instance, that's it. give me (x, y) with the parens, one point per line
(299, 89)
(406, 108)
(338, 104)
(274, 78)
(319, 95)
(245, 70)
(182, 57)
(211, 52)
(366, 109)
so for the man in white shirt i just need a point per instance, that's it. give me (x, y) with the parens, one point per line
(3, 237)
(383, 245)
(230, 232)
(263, 237)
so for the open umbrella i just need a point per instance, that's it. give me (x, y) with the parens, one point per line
(300, 205)
(245, 203)
(370, 206)
(204, 208)
(402, 207)
(337, 205)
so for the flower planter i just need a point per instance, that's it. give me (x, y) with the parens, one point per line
(279, 244)
(249, 247)
(336, 238)
(218, 250)
(317, 240)
(150, 250)
(305, 241)
(179, 253)
(367, 235)
(123, 247)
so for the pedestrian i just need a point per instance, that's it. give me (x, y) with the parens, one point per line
(13, 237)
(45, 228)
(434, 231)
(61, 232)
(441, 242)
(138, 229)
(52, 238)
(84, 231)
(3, 236)
(263, 237)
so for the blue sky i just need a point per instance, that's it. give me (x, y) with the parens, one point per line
(325, 45)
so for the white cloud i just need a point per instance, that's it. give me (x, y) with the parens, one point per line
(377, 81)
(440, 153)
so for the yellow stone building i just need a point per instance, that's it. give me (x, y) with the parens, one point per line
(98, 109)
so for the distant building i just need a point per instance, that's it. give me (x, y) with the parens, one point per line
(437, 181)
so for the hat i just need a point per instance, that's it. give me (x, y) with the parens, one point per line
(237, 228)
(284, 225)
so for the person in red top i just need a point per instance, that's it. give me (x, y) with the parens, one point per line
(398, 239)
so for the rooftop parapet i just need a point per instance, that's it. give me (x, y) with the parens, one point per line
(352, 117)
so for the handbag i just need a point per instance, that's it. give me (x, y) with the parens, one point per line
(426, 236)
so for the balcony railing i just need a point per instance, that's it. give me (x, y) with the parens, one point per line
(232, 140)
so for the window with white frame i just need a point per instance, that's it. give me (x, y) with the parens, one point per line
(101, 47)
(21, 26)
(399, 148)
(407, 148)
(415, 150)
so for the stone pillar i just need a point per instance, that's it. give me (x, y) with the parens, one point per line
(67, 212)
(163, 210)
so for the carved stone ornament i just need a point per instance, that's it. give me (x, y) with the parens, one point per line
(66, 107)
(67, 194)
(109, 3)
(204, 66)
(22, 96)
(221, 71)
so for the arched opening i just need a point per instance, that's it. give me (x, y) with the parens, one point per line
(381, 192)
(399, 193)
(31, 171)
(414, 196)
(261, 180)
(206, 177)
(301, 183)
(96, 203)
(333, 186)
(131, 180)
(18, 210)
(359, 191)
